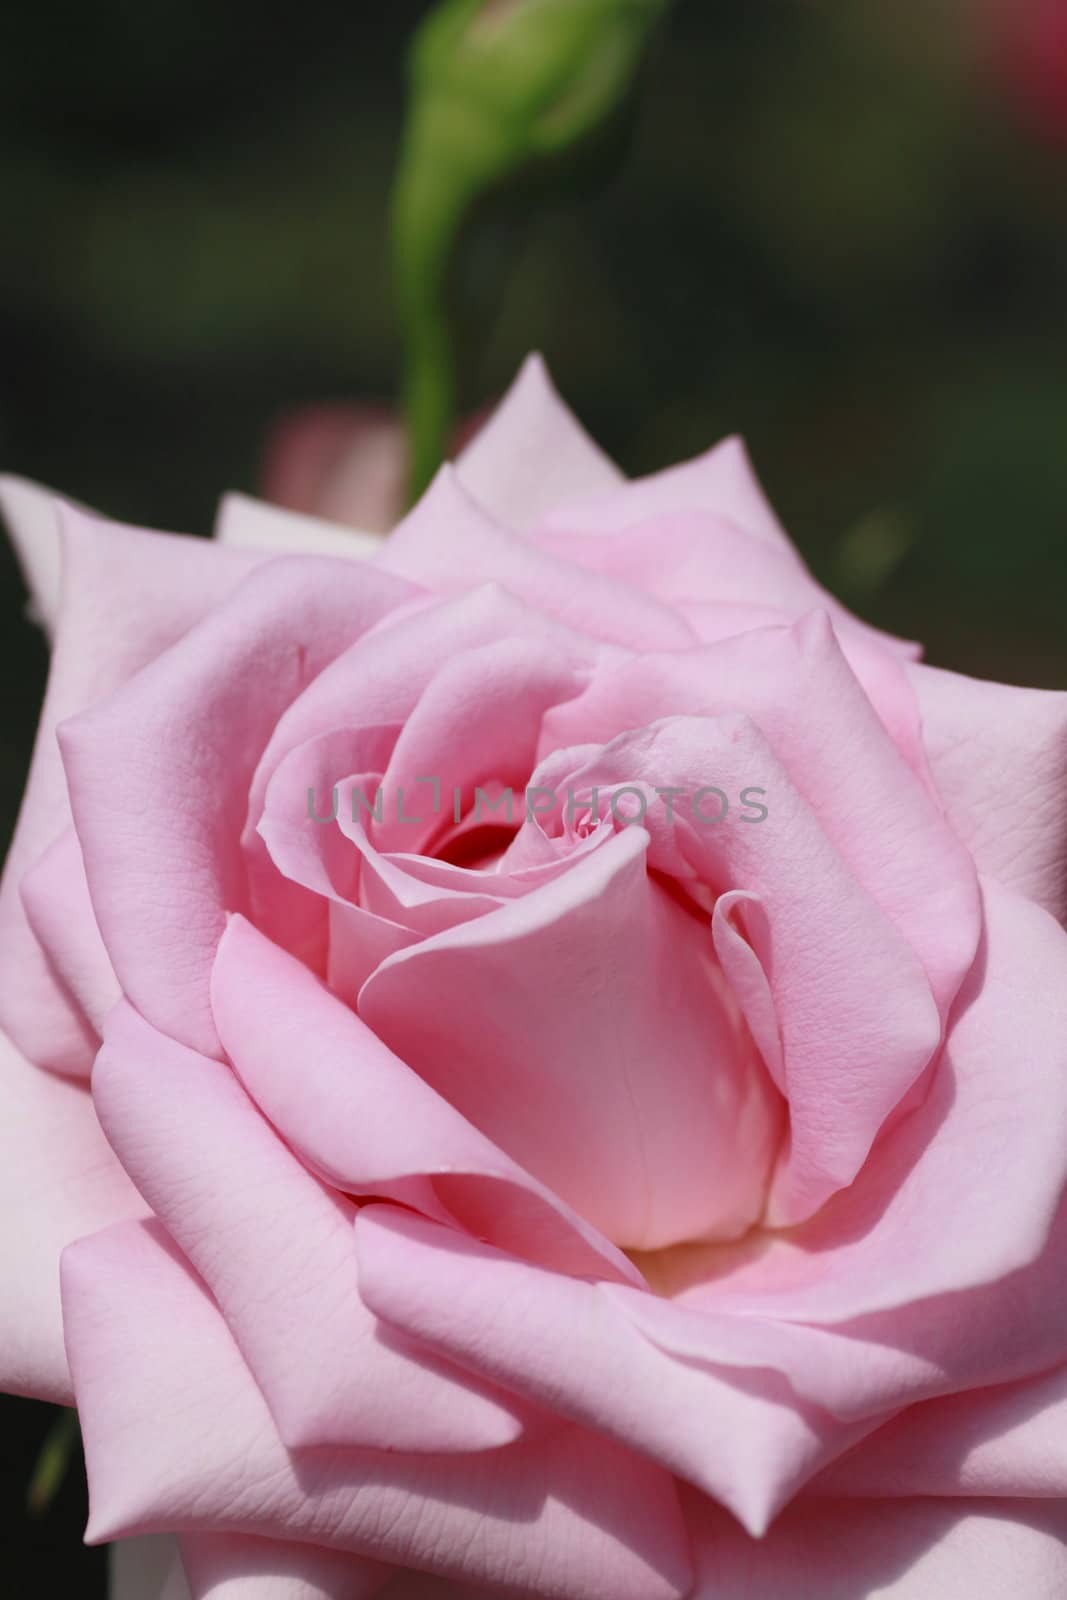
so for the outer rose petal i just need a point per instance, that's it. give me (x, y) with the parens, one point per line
(178, 1438)
(533, 454)
(1010, 1440)
(742, 1436)
(276, 1250)
(126, 596)
(870, 1366)
(447, 543)
(29, 510)
(58, 1180)
(999, 757)
(721, 482)
(229, 1566)
(55, 897)
(159, 774)
(257, 525)
(897, 1550)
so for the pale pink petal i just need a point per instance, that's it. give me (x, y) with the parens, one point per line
(478, 721)
(160, 773)
(696, 559)
(998, 1333)
(367, 1123)
(126, 596)
(999, 758)
(895, 1550)
(738, 1411)
(59, 1180)
(234, 1566)
(744, 1437)
(533, 454)
(380, 679)
(275, 1248)
(55, 897)
(872, 1365)
(257, 525)
(986, 1152)
(1006, 1441)
(326, 884)
(308, 867)
(31, 514)
(798, 688)
(720, 481)
(585, 1029)
(856, 1017)
(179, 1439)
(690, 555)
(447, 543)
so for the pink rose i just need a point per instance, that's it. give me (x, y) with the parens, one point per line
(656, 1195)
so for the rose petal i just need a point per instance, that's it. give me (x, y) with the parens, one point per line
(855, 1014)
(585, 1030)
(106, 570)
(996, 1333)
(897, 1550)
(233, 1566)
(1005, 1441)
(30, 512)
(986, 1152)
(798, 688)
(126, 595)
(160, 773)
(999, 757)
(55, 897)
(309, 868)
(178, 1438)
(533, 453)
(447, 543)
(367, 1123)
(741, 1436)
(720, 481)
(275, 1249)
(477, 721)
(254, 524)
(59, 1180)
(380, 679)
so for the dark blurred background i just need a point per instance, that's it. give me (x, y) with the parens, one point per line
(840, 229)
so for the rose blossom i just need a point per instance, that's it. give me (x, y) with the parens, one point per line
(569, 1208)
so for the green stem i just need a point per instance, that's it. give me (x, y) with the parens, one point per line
(429, 209)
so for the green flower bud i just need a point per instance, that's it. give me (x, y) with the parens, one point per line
(527, 78)
(497, 87)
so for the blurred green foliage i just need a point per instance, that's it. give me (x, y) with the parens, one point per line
(825, 236)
